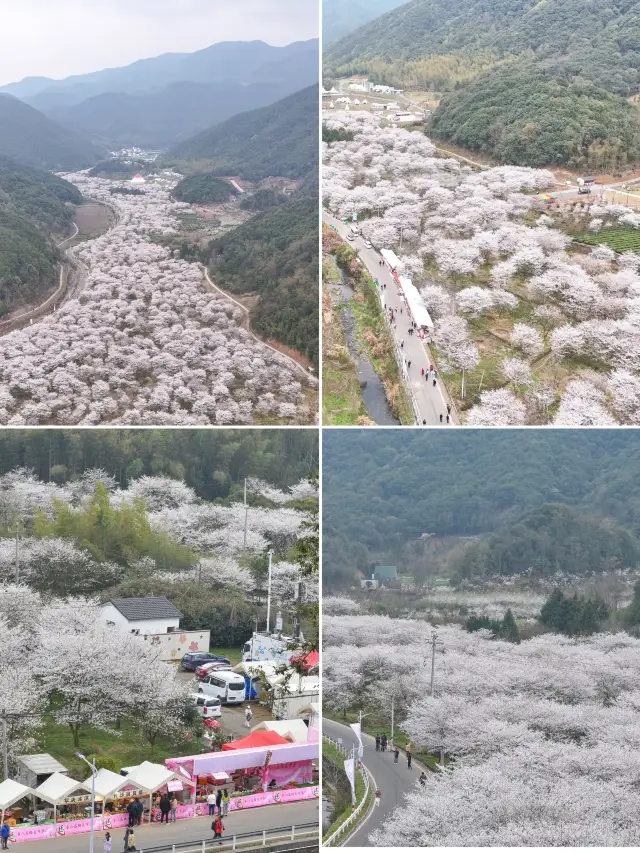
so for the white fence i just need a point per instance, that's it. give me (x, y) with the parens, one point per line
(357, 814)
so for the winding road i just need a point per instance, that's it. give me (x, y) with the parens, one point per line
(430, 401)
(393, 780)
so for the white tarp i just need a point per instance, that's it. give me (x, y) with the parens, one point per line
(415, 303)
(255, 667)
(391, 258)
(150, 777)
(11, 792)
(294, 730)
(57, 787)
(240, 759)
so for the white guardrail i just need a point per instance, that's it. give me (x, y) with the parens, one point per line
(356, 815)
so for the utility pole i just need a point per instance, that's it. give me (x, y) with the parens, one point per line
(246, 516)
(270, 555)
(393, 702)
(17, 552)
(5, 746)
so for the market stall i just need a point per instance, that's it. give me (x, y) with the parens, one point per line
(11, 793)
(68, 799)
(264, 767)
(156, 779)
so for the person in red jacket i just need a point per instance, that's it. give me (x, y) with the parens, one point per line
(218, 828)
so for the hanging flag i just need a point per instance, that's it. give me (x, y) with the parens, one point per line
(350, 770)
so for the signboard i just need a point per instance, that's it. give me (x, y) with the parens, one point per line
(272, 798)
(174, 785)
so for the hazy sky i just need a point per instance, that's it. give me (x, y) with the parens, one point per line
(57, 38)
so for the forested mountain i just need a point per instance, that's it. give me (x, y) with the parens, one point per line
(210, 461)
(589, 49)
(33, 206)
(163, 117)
(239, 62)
(275, 255)
(549, 539)
(340, 18)
(32, 138)
(204, 189)
(383, 489)
(278, 140)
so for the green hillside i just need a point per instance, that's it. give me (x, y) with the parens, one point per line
(203, 189)
(30, 137)
(383, 489)
(340, 18)
(33, 206)
(275, 255)
(278, 140)
(548, 539)
(562, 58)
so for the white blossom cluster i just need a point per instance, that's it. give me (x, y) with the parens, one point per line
(143, 342)
(580, 307)
(540, 737)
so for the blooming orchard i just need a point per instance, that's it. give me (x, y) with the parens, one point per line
(142, 341)
(540, 737)
(497, 277)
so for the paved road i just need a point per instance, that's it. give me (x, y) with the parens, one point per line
(430, 401)
(195, 829)
(393, 780)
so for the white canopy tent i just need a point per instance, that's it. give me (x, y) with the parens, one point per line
(150, 777)
(57, 788)
(10, 793)
(392, 260)
(294, 730)
(415, 303)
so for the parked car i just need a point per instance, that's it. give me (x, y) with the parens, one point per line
(205, 668)
(367, 244)
(228, 687)
(584, 190)
(350, 237)
(193, 659)
(206, 706)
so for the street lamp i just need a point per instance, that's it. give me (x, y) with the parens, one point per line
(94, 773)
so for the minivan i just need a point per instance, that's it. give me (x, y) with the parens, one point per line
(228, 687)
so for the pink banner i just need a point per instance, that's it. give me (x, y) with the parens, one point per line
(272, 798)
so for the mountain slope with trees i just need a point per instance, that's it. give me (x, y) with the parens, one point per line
(275, 255)
(33, 206)
(32, 138)
(277, 140)
(340, 18)
(382, 490)
(589, 48)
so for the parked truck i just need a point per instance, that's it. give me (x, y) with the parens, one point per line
(269, 647)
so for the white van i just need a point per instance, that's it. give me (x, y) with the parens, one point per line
(228, 687)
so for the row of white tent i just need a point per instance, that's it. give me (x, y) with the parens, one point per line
(143, 779)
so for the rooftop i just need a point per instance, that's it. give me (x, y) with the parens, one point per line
(41, 763)
(153, 607)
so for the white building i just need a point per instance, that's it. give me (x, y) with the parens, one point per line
(153, 615)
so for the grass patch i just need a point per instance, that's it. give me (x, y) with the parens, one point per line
(234, 655)
(126, 748)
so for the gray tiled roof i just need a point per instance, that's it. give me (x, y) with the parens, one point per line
(154, 607)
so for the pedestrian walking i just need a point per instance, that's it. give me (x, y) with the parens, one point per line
(211, 802)
(408, 365)
(402, 344)
(5, 831)
(139, 810)
(440, 417)
(126, 839)
(423, 779)
(107, 842)
(448, 418)
(383, 742)
(174, 808)
(226, 801)
(248, 716)
(219, 801)
(424, 423)
(422, 372)
(448, 408)
(407, 749)
(131, 841)
(131, 811)
(434, 383)
(218, 828)
(377, 743)
(396, 754)
(378, 796)
(430, 368)
(401, 311)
